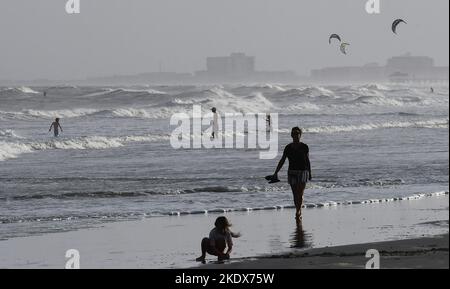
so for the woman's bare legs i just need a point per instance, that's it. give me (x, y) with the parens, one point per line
(298, 191)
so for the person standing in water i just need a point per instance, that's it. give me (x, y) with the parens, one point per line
(215, 123)
(299, 172)
(56, 126)
(268, 123)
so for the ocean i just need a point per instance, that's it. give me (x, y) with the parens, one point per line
(114, 160)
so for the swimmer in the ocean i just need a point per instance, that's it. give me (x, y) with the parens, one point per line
(56, 126)
(268, 122)
(215, 123)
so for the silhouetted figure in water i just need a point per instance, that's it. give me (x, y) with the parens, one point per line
(299, 168)
(45, 93)
(268, 123)
(432, 90)
(55, 126)
(220, 238)
(215, 123)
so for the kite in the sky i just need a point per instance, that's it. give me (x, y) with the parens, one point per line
(343, 46)
(396, 23)
(334, 36)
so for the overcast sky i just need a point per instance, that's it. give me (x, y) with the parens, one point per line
(39, 40)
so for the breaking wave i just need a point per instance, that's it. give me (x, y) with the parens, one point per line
(9, 133)
(17, 91)
(155, 104)
(9, 150)
(436, 123)
(124, 92)
(115, 216)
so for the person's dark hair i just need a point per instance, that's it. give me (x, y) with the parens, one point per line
(223, 224)
(214, 109)
(57, 119)
(296, 131)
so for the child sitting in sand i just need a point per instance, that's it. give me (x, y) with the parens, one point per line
(219, 238)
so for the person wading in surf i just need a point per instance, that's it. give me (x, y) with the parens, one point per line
(56, 126)
(299, 172)
(215, 123)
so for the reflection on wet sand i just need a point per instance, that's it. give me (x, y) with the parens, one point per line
(298, 238)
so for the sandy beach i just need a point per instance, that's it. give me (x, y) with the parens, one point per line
(173, 242)
(422, 253)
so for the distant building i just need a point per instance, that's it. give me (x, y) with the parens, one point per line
(409, 64)
(238, 67)
(237, 64)
(397, 69)
(415, 68)
(371, 71)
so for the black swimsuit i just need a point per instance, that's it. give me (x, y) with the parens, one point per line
(299, 164)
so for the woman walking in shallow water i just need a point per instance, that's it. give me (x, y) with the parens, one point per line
(299, 172)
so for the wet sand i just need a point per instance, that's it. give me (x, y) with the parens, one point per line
(174, 242)
(424, 253)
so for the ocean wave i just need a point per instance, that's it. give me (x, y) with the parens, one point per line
(267, 86)
(9, 133)
(154, 104)
(273, 87)
(9, 150)
(132, 215)
(435, 123)
(198, 190)
(86, 112)
(308, 205)
(224, 100)
(11, 91)
(308, 92)
(379, 100)
(374, 86)
(30, 114)
(12, 150)
(124, 92)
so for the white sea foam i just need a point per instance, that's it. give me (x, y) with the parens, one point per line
(435, 123)
(9, 150)
(307, 205)
(124, 91)
(46, 114)
(13, 150)
(9, 133)
(18, 90)
(310, 92)
(254, 99)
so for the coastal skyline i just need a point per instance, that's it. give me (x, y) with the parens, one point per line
(97, 42)
(238, 67)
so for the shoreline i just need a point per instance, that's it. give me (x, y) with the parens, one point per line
(174, 242)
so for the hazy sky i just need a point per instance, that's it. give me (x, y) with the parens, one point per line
(39, 40)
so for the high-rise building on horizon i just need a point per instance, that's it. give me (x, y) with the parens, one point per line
(235, 65)
(239, 67)
(398, 68)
